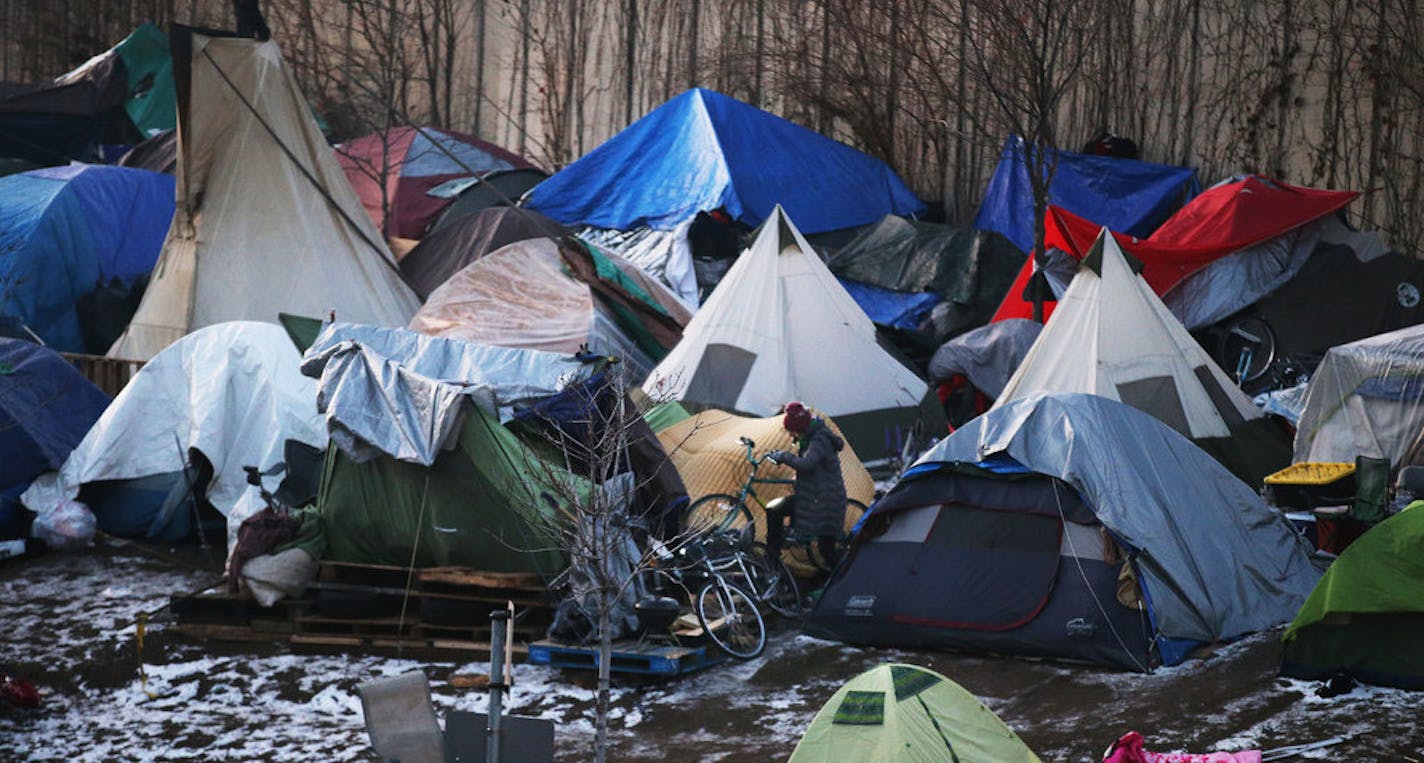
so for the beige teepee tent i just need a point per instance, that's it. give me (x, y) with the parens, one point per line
(780, 327)
(1112, 336)
(266, 221)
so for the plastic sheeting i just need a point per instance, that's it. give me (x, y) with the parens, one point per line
(987, 356)
(1367, 399)
(665, 255)
(447, 250)
(266, 222)
(1216, 562)
(521, 297)
(398, 392)
(233, 391)
(65, 231)
(1123, 194)
(703, 150)
(46, 408)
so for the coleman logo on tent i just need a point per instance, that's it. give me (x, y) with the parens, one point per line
(1080, 628)
(1407, 294)
(859, 606)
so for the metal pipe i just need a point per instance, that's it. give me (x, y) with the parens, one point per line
(499, 625)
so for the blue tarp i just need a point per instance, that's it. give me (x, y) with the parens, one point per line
(703, 150)
(1125, 195)
(887, 307)
(46, 408)
(66, 230)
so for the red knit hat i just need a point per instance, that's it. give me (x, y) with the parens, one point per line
(797, 418)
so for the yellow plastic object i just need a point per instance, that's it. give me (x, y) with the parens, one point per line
(1311, 473)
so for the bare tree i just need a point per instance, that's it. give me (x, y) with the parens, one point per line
(598, 518)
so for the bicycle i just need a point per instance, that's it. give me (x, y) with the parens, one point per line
(722, 511)
(728, 615)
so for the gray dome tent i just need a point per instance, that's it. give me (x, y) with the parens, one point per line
(1069, 526)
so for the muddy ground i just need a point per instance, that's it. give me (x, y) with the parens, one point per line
(65, 624)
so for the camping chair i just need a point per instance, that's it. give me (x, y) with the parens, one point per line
(401, 719)
(1371, 502)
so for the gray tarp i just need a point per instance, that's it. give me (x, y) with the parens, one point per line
(1215, 560)
(394, 391)
(987, 356)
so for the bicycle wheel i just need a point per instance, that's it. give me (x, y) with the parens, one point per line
(1247, 348)
(717, 511)
(773, 583)
(730, 618)
(853, 512)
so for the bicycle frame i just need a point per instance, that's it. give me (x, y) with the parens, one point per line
(748, 489)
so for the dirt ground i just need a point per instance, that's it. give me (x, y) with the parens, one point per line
(66, 623)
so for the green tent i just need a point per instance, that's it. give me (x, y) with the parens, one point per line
(1366, 616)
(904, 713)
(472, 508)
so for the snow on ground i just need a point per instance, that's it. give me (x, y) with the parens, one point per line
(66, 623)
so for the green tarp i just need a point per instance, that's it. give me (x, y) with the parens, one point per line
(470, 509)
(1366, 616)
(153, 103)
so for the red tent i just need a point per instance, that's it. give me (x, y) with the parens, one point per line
(1226, 218)
(412, 161)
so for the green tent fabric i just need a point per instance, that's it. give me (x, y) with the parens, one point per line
(1366, 616)
(153, 103)
(664, 415)
(907, 714)
(470, 509)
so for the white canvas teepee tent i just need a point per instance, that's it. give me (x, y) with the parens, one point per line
(780, 327)
(1111, 336)
(266, 221)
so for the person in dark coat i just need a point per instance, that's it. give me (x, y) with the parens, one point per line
(817, 509)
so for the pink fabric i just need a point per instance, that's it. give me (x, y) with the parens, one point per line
(1129, 749)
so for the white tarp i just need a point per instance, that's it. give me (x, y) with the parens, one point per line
(263, 224)
(234, 391)
(1217, 562)
(1110, 335)
(397, 392)
(780, 327)
(1367, 399)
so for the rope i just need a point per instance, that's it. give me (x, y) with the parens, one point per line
(414, 548)
(1088, 584)
(380, 251)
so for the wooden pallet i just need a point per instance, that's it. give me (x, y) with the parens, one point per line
(443, 611)
(628, 657)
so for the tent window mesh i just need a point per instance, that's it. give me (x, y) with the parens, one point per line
(861, 708)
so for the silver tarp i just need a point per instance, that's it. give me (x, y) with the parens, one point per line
(394, 391)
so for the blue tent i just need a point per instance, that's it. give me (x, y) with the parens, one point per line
(1126, 195)
(46, 408)
(66, 230)
(703, 150)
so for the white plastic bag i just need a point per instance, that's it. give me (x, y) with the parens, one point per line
(71, 525)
